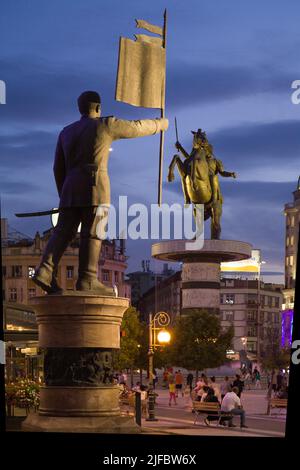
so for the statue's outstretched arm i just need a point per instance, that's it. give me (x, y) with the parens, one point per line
(182, 150)
(222, 172)
(122, 129)
(228, 174)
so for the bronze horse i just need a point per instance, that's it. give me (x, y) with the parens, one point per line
(199, 177)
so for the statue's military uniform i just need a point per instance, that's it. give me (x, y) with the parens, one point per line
(82, 180)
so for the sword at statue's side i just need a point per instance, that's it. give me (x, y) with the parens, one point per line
(176, 130)
(38, 214)
(162, 134)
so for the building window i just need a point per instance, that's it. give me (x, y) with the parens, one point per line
(229, 298)
(292, 240)
(277, 302)
(31, 271)
(252, 299)
(269, 317)
(105, 275)
(292, 221)
(252, 315)
(269, 301)
(31, 293)
(287, 241)
(261, 316)
(13, 294)
(228, 315)
(16, 271)
(291, 260)
(70, 272)
(3, 271)
(252, 331)
(116, 276)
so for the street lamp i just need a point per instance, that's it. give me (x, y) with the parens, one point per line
(163, 337)
(258, 324)
(158, 335)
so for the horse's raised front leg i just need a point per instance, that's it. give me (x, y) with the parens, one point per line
(175, 161)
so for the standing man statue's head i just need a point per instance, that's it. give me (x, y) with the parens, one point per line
(89, 104)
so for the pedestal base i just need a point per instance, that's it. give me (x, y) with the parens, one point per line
(104, 425)
(78, 332)
(201, 269)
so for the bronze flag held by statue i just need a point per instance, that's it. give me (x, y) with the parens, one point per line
(141, 77)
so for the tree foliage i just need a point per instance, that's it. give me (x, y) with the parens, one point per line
(198, 341)
(133, 330)
(274, 356)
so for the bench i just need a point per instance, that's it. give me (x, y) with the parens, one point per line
(278, 403)
(210, 409)
(127, 405)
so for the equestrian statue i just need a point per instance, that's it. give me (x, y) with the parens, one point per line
(199, 177)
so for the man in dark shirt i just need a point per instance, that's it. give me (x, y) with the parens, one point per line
(239, 384)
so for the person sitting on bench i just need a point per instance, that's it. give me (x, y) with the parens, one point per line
(210, 398)
(231, 403)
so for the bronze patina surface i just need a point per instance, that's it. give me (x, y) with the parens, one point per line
(199, 174)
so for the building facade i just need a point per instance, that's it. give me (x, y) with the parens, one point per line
(292, 221)
(165, 297)
(251, 306)
(20, 258)
(254, 308)
(142, 281)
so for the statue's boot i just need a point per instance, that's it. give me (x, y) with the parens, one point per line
(45, 274)
(44, 278)
(89, 253)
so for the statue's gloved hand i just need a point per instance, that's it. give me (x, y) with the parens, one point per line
(162, 124)
(103, 210)
(178, 145)
(233, 174)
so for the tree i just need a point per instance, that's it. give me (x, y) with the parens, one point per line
(198, 341)
(132, 331)
(274, 357)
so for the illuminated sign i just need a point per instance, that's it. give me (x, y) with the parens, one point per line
(250, 265)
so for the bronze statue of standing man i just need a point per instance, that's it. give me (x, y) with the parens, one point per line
(82, 180)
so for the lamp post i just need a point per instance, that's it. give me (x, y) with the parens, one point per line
(260, 262)
(157, 336)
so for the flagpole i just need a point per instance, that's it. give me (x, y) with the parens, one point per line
(162, 134)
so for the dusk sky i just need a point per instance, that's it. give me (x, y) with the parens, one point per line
(230, 66)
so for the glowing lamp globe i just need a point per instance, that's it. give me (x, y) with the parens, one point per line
(163, 337)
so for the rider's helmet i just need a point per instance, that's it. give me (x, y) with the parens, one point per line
(201, 134)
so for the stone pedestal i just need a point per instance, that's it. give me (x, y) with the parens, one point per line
(201, 269)
(78, 332)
